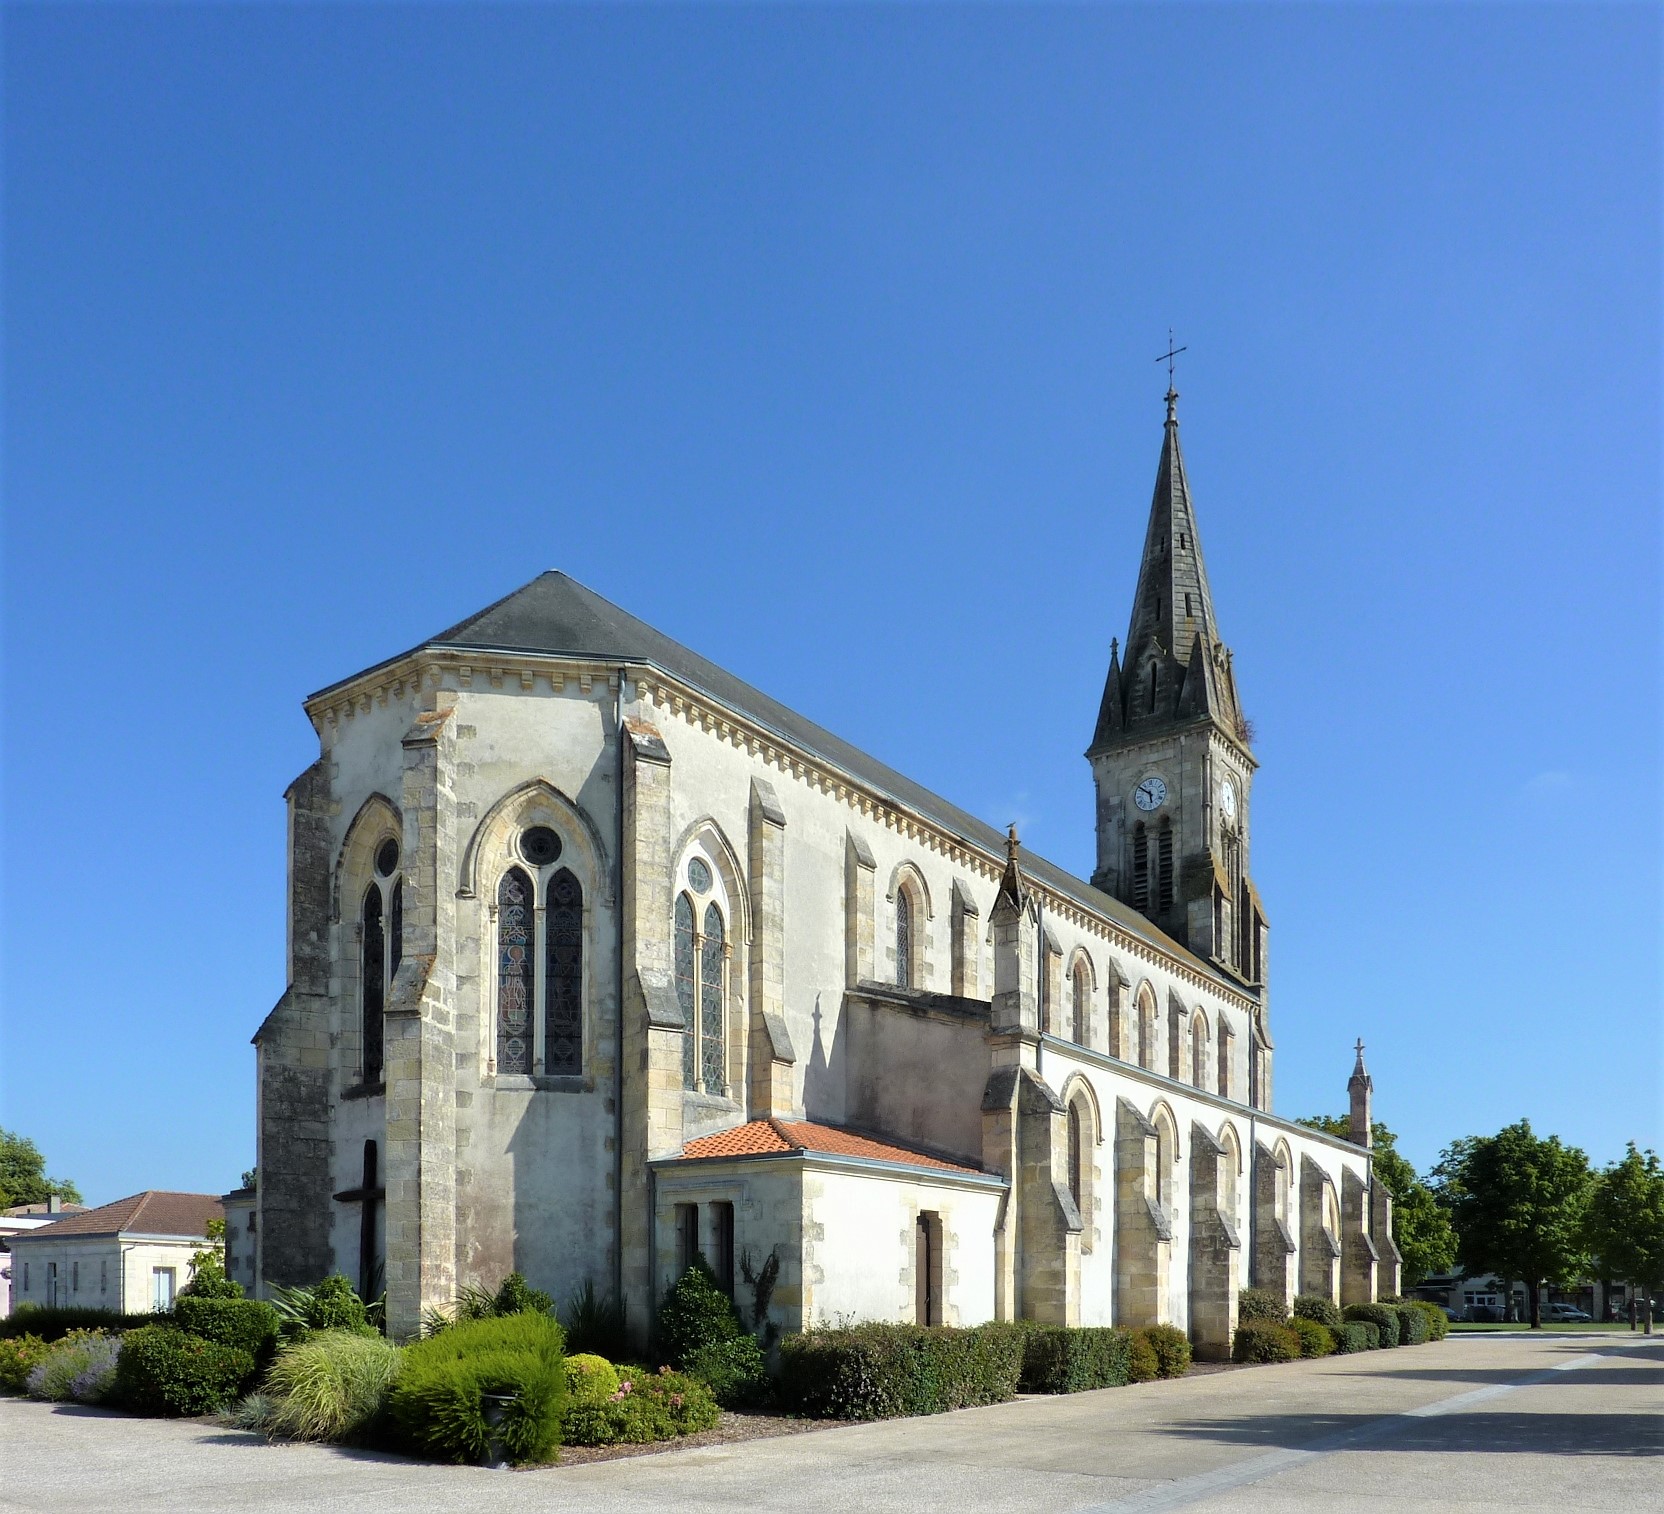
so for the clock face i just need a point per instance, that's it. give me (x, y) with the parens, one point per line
(1227, 800)
(1151, 794)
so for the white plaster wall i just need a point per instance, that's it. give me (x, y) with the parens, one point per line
(127, 1266)
(860, 1231)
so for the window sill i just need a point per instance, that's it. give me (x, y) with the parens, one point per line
(522, 1083)
(364, 1091)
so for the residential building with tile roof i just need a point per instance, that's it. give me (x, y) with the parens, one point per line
(600, 958)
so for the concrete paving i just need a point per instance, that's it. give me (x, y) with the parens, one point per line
(1557, 1423)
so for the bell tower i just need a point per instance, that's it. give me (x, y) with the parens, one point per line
(1170, 755)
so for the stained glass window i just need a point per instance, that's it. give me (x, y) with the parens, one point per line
(373, 974)
(514, 973)
(563, 982)
(1081, 1002)
(710, 1004)
(1074, 1154)
(387, 857)
(540, 846)
(904, 938)
(685, 990)
(699, 875)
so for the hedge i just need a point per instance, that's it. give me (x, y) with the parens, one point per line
(1057, 1359)
(162, 1370)
(438, 1400)
(1355, 1335)
(1438, 1322)
(1383, 1316)
(244, 1323)
(1264, 1341)
(1315, 1306)
(879, 1371)
(1315, 1339)
(1255, 1304)
(1412, 1324)
(54, 1324)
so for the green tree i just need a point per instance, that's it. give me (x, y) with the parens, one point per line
(23, 1178)
(1420, 1227)
(1518, 1202)
(1624, 1226)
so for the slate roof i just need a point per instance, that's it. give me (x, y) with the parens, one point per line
(152, 1212)
(773, 1137)
(555, 615)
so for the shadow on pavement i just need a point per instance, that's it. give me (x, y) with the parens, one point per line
(1495, 1432)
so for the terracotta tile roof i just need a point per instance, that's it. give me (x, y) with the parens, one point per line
(39, 1211)
(149, 1213)
(769, 1137)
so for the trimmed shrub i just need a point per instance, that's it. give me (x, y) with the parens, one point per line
(80, 1367)
(1253, 1304)
(1171, 1346)
(734, 1371)
(54, 1324)
(878, 1371)
(327, 1305)
(645, 1406)
(332, 1385)
(1412, 1325)
(1315, 1306)
(696, 1313)
(162, 1370)
(244, 1323)
(438, 1400)
(589, 1380)
(1438, 1322)
(1355, 1335)
(1383, 1316)
(1057, 1359)
(1315, 1339)
(19, 1355)
(1264, 1341)
(1143, 1365)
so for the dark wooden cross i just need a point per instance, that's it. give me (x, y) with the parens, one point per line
(369, 1195)
(1168, 356)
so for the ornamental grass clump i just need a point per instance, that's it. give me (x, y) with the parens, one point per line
(1315, 1339)
(327, 1305)
(439, 1400)
(1383, 1316)
(1264, 1341)
(333, 1386)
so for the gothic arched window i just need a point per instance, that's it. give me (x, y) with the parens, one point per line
(381, 944)
(904, 938)
(1199, 1049)
(563, 990)
(1074, 1153)
(516, 927)
(1082, 990)
(712, 958)
(685, 994)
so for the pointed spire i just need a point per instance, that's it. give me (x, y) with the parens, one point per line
(1111, 715)
(1173, 635)
(1013, 894)
(1360, 1088)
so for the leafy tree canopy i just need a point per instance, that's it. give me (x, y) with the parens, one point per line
(1624, 1226)
(1518, 1202)
(1419, 1226)
(23, 1178)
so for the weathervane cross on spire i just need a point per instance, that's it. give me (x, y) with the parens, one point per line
(1168, 356)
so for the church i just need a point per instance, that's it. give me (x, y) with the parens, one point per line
(599, 958)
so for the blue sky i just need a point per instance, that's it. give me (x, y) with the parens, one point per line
(823, 338)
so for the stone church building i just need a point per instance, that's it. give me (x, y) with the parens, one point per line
(599, 957)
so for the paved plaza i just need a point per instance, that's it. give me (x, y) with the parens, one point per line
(1561, 1422)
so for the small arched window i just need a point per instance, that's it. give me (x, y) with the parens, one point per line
(516, 928)
(904, 938)
(1165, 1156)
(1230, 1167)
(1199, 1049)
(1082, 991)
(1147, 1029)
(1076, 1188)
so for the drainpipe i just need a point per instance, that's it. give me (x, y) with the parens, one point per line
(618, 1012)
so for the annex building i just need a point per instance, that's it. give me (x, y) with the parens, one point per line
(599, 957)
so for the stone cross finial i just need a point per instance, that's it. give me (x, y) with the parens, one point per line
(1011, 842)
(1360, 1048)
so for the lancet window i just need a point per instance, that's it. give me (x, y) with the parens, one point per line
(701, 954)
(540, 963)
(381, 945)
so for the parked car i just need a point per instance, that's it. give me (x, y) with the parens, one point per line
(1566, 1314)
